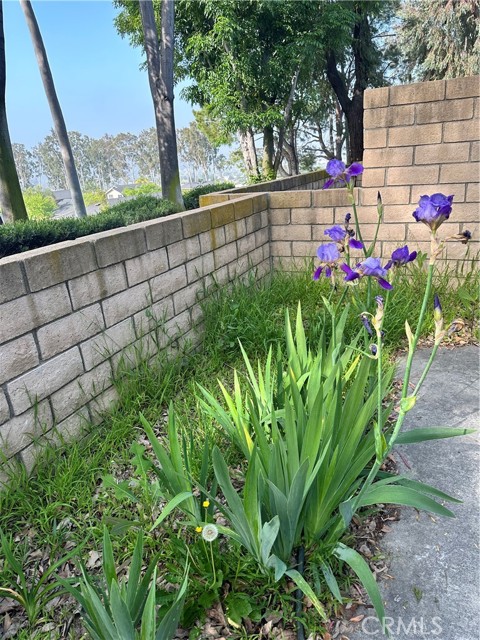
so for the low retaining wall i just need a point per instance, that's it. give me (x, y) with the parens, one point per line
(70, 311)
(312, 180)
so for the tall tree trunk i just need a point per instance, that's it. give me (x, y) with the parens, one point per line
(247, 145)
(353, 107)
(160, 76)
(57, 116)
(11, 199)
(287, 118)
(339, 133)
(268, 170)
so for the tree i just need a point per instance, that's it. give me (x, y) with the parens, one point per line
(366, 58)
(27, 167)
(439, 39)
(95, 196)
(196, 152)
(49, 159)
(39, 202)
(142, 188)
(145, 153)
(11, 200)
(246, 60)
(57, 116)
(160, 75)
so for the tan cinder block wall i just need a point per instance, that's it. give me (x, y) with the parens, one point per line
(69, 312)
(421, 139)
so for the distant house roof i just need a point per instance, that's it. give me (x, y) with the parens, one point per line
(121, 187)
(61, 194)
(66, 210)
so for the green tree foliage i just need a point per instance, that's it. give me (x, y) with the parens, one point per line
(200, 158)
(101, 162)
(95, 196)
(143, 188)
(246, 58)
(212, 127)
(39, 202)
(50, 162)
(439, 39)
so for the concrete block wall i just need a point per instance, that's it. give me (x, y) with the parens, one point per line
(312, 180)
(69, 312)
(421, 139)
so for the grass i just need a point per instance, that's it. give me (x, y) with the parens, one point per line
(66, 502)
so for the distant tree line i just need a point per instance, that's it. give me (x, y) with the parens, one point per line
(115, 159)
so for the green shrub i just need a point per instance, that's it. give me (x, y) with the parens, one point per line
(40, 203)
(96, 196)
(31, 234)
(143, 188)
(191, 197)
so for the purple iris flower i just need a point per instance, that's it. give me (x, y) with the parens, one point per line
(328, 254)
(400, 257)
(433, 210)
(338, 234)
(340, 173)
(369, 267)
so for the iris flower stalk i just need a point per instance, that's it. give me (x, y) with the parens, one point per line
(432, 211)
(405, 403)
(340, 173)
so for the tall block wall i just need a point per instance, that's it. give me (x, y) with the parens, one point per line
(70, 311)
(421, 139)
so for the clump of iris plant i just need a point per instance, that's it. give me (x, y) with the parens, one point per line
(371, 267)
(340, 173)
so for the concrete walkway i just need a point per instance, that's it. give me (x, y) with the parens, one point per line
(434, 561)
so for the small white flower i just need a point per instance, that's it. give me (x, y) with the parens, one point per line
(209, 532)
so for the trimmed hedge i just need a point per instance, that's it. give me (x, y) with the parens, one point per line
(32, 234)
(191, 197)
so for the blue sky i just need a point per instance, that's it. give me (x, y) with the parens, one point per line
(99, 84)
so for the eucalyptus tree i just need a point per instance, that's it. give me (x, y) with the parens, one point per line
(11, 199)
(50, 163)
(57, 115)
(145, 153)
(160, 74)
(196, 152)
(438, 39)
(27, 167)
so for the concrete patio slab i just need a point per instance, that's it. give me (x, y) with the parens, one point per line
(434, 561)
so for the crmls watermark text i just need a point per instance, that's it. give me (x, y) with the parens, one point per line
(409, 627)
